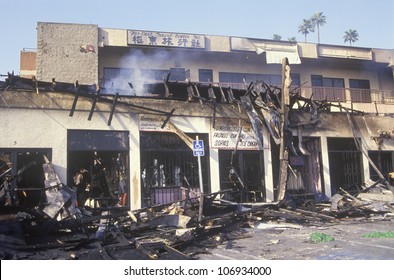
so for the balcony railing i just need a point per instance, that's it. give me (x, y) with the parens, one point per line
(350, 95)
(331, 94)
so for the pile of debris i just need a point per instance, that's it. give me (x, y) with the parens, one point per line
(59, 230)
(374, 198)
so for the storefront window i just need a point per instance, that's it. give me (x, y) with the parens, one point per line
(22, 176)
(169, 168)
(98, 166)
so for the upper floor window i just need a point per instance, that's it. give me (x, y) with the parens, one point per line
(177, 74)
(331, 89)
(205, 75)
(359, 90)
(119, 73)
(271, 79)
(118, 78)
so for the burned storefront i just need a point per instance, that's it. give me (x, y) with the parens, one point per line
(241, 163)
(98, 165)
(169, 169)
(22, 176)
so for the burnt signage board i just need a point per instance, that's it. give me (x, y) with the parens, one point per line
(225, 135)
(165, 39)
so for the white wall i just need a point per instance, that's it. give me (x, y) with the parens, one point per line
(33, 128)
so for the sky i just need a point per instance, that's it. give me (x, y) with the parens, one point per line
(373, 20)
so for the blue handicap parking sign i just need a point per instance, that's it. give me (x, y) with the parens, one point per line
(198, 148)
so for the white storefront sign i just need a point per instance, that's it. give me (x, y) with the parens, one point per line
(152, 123)
(225, 135)
(165, 39)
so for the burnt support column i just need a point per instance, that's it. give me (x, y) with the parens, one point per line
(283, 151)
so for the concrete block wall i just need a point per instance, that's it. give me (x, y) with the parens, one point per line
(67, 52)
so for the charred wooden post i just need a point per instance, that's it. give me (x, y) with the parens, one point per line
(190, 91)
(231, 98)
(212, 96)
(198, 95)
(223, 97)
(167, 118)
(35, 83)
(75, 100)
(283, 151)
(96, 97)
(113, 109)
(132, 88)
(167, 89)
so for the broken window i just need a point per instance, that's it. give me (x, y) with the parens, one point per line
(98, 166)
(244, 169)
(22, 176)
(345, 164)
(117, 78)
(169, 168)
(383, 161)
(177, 74)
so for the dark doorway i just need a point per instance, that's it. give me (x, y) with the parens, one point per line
(24, 175)
(345, 164)
(244, 169)
(383, 161)
(169, 167)
(98, 166)
(305, 175)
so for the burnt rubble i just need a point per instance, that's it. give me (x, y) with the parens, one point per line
(58, 229)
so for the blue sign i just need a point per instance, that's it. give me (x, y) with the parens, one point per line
(198, 148)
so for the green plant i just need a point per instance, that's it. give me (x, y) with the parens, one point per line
(318, 237)
(378, 234)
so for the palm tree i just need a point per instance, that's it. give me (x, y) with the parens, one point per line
(276, 37)
(350, 36)
(292, 39)
(306, 27)
(318, 19)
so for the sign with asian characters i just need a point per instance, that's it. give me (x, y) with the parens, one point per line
(225, 135)
(165, 39)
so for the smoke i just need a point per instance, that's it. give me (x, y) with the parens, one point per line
(149, 65)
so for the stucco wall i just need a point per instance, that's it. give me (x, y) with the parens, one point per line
(46, 128)
(34, 128)
(67, 52)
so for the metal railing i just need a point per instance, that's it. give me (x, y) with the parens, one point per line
(348, 94)
(331, 94)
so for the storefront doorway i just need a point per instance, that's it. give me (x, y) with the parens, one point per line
(169, 169)
(98, 166)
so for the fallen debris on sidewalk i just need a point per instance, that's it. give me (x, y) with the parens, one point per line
(58, 229)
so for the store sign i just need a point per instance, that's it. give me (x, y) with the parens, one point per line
(225, 135)
(165, 39)
(152, 123)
